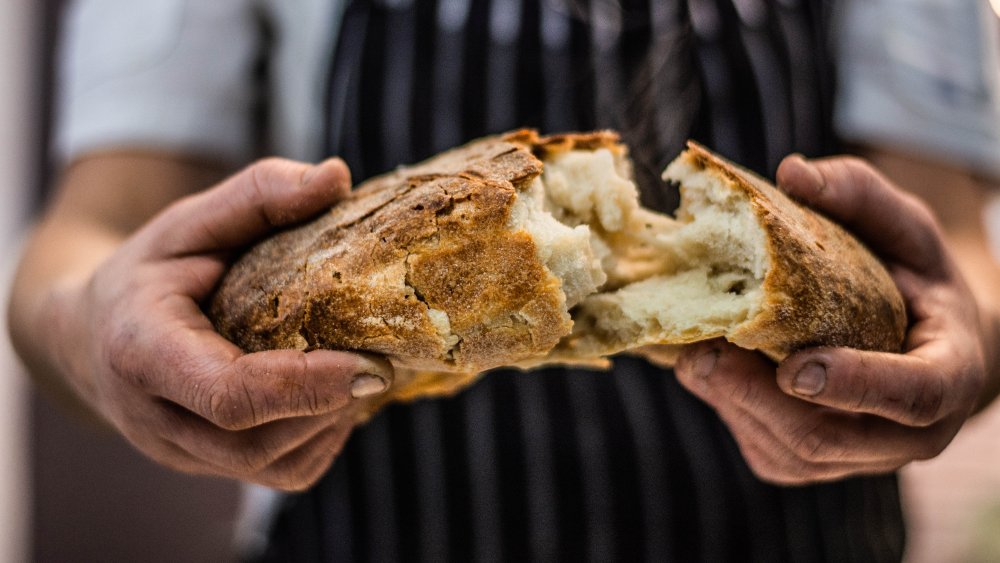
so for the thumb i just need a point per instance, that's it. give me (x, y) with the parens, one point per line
(895, 224)
(268, 194)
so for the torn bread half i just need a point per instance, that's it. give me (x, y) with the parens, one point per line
(521, 250)
(741, 261)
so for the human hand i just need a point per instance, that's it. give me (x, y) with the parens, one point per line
(826, 413)
(136, 346)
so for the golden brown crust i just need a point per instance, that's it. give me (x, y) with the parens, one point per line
(434, 236)
(823, 286)
(379, 271)
(551, 145)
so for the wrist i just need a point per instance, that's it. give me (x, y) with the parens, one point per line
(54, 340)
(68, 324)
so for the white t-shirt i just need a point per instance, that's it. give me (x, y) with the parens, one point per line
(923, 74)
(180, 75)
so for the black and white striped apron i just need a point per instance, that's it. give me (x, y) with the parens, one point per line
(562, 464)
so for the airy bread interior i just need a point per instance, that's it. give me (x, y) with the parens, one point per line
(632, 276)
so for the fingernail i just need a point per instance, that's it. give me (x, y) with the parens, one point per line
(705, 363)
(366, 385)
(810, 380)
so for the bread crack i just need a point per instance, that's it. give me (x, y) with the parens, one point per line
(536, 250)
(438, 318)
(375, 209)
(651, 277)
(304, 337)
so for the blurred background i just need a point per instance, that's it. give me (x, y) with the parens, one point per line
(69, 492)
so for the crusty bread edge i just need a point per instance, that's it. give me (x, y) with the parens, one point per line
(823, 287)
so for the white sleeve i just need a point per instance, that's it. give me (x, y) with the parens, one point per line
(924, 75)
(163, 74)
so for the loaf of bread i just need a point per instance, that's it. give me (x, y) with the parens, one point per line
(521, 250)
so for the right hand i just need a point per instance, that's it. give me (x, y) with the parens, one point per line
(134, 343)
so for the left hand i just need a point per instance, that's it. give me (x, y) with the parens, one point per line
(827, 413)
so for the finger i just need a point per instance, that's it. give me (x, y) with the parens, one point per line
(295, 470)
(723, 374)
(302, 467)
(266, 386)
(896, 225)
(268, 194)
(176, 354)
(185, 280)
(201, 371)
(246, 451)
(171, 455)
(782, 467)
(915, 389)
(740, 386)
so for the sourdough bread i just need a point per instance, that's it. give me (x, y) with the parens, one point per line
(521, 250)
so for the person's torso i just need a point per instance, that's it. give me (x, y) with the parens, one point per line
(565, 464)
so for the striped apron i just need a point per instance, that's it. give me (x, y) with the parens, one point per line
(565, 464)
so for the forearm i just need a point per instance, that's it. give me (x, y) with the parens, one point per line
(57, 261)
(100, 201)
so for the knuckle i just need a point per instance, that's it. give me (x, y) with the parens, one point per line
(294, 477)
(121, 357)
(287, 391)
(926, 402)
(264, 173)
(762, 470)
(745, 393)
(769, 462)
(856, 165)
(262, 176)
(257, 457)
(296, 483)
(858, 383)
(300, 400)
(864, 398)
(307, 401)
(167, 456)
(312, 461)
(309, 476)
(853, 170)
(229, 409)
(261, 170)
(328, 451)
(118, 352)
(797, 472)
(296, 392)
(270, 163)
(758, 463)
(789, 472)
(258, 173)
(809, 446)
(812, 442)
